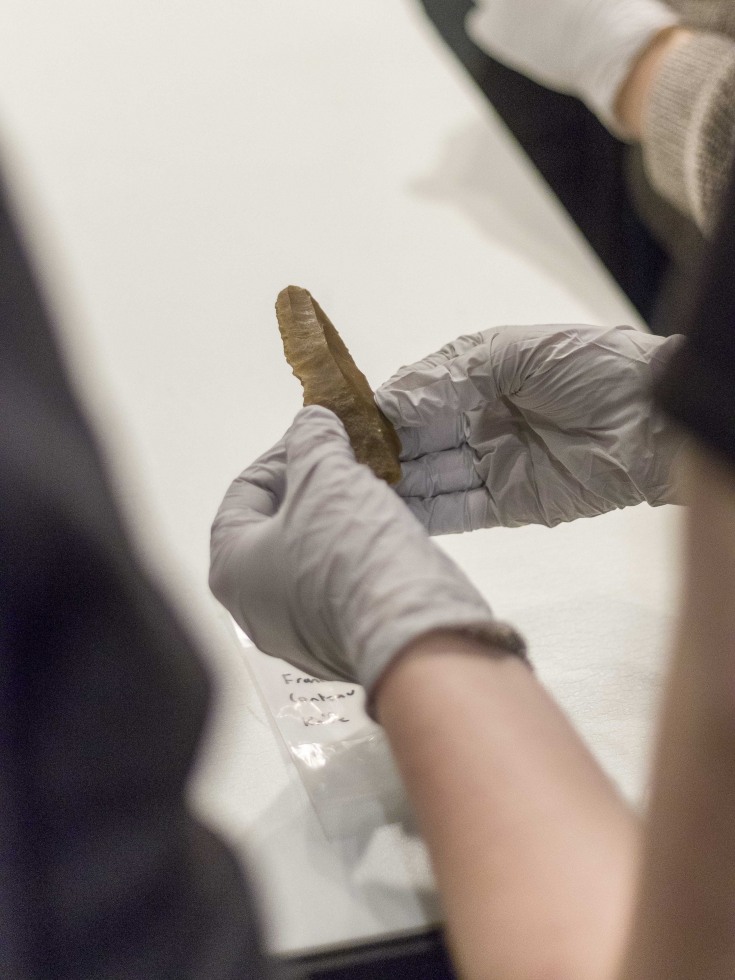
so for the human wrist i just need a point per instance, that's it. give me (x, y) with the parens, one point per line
(705, 648)
(441, 648)
(615, 34)
(709, 486)
(633, 95)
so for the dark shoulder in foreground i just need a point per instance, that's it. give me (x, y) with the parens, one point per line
(102, 698)
(698, 387)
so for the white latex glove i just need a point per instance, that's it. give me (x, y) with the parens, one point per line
(581, 47)
(323, 565)
(532, 425)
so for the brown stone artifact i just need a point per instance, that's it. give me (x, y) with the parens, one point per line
(330, 377)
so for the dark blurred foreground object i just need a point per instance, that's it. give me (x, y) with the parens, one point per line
(589, 170)
(698, 387)
(105, 874)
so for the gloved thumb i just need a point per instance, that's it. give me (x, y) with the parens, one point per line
(316, 437)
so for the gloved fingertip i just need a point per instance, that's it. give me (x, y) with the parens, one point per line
(315, 412)
(398, 406)
(386, 402)
(317, 418)
(314, 427)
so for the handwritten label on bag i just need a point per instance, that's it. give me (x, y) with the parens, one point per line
(305, 708)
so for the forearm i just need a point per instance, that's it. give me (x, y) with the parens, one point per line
(533, 849)
(684, 927)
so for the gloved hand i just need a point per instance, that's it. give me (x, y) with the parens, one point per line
(532, 425)
(581, 47)
(322, 564)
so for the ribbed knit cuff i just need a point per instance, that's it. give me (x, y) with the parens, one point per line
(678, 153)
(497, 637)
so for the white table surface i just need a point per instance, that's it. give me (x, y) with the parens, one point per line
(176, 165)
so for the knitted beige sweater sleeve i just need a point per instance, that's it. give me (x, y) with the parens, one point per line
(689, 131)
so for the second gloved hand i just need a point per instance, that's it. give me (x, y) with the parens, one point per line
(322, 564)
(582, 47)
(533, 425)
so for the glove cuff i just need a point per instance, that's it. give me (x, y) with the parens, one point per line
(496, 636)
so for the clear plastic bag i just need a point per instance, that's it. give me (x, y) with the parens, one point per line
(341, 755)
